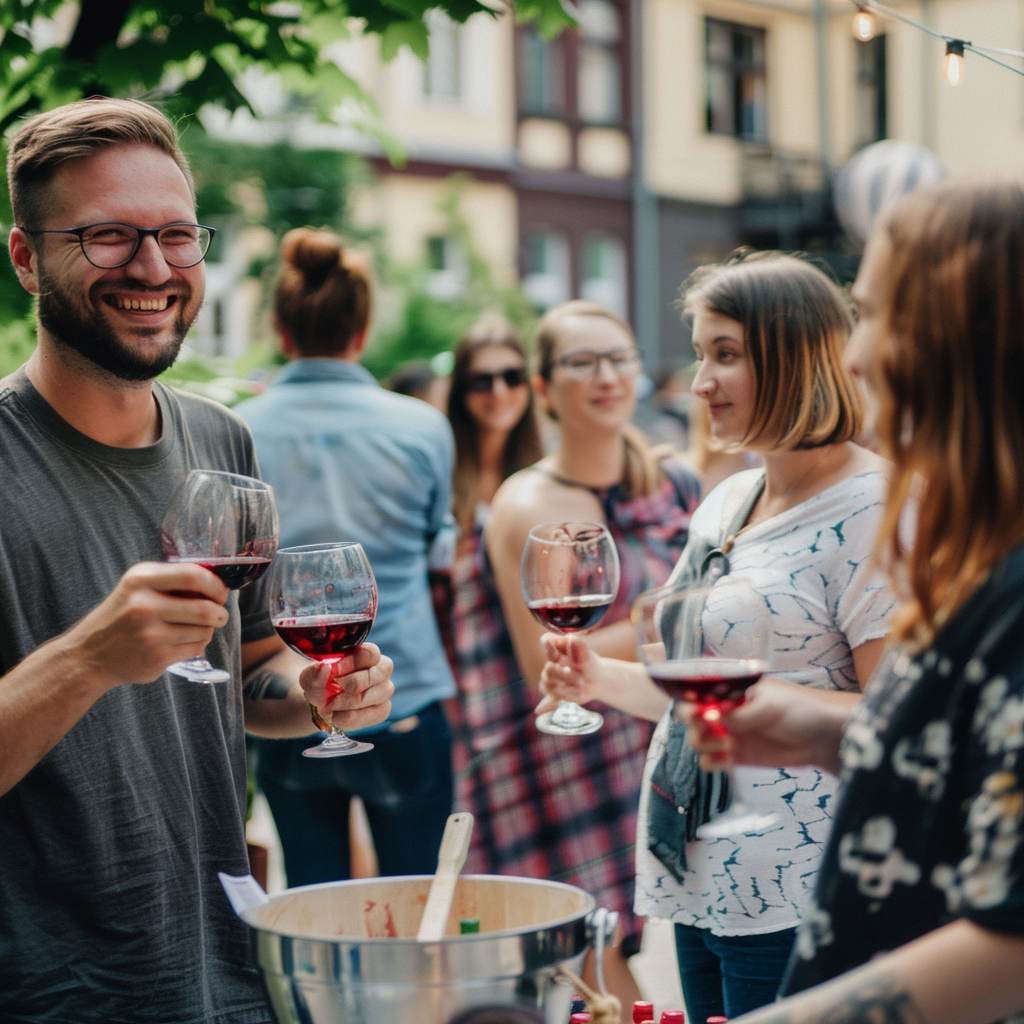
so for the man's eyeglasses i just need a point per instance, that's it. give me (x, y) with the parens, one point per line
(483, 383)
(584, 363)
(112, 245)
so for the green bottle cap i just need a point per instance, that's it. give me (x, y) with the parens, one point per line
(469, 926)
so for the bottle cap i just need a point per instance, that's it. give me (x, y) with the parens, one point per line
(469, 926)
(642, 1011)
(673, 1017)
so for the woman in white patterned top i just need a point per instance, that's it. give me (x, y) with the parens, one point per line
(768, 331)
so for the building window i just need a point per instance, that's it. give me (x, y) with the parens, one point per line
(604, 272)
(599, 73)
(442, 72)
(736, 91)
(870, 114)
(543, 77)
(546, 277)
(447, 267)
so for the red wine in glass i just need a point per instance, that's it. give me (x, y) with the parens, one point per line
(569, 576)
(323, 637)
(715, 685)
(234, 573)
(227, 523)
(571, 614)
(323, 602)
(707, 644)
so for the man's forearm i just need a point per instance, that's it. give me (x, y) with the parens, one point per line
(275, 706)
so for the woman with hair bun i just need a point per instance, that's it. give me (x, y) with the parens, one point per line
(349, 460)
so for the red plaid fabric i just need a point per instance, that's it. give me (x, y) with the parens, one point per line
(557, 807)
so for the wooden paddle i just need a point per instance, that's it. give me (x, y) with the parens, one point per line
(451, 857)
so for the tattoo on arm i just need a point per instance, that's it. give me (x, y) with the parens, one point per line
(866, 1000)
(265, 684)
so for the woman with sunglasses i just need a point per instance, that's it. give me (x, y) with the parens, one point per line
(768, 332)
(564, 807)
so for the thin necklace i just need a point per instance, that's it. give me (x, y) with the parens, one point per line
(727, 544)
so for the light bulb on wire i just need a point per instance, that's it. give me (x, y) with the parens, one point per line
(864, 25)
(953, 70)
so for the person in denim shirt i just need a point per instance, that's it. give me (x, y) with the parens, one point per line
(349, 460)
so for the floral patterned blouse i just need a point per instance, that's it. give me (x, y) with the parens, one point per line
(930, 820)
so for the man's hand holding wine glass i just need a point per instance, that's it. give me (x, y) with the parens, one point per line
(348, 693)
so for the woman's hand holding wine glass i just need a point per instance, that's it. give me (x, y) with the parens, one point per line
(569, 576)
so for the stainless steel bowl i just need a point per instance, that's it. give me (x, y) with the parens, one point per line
(346, 952)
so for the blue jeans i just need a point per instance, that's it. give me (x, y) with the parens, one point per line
(729, 975)
(405, 783)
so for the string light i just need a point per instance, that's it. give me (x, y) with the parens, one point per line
(864, 25)
(953, 68)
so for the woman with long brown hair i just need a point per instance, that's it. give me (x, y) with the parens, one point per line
(917, 910)
(564, 807)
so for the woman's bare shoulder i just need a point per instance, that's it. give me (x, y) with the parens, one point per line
(533, 496)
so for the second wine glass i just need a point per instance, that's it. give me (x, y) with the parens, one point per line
(706, 645)
(323, 600)
(569, 575)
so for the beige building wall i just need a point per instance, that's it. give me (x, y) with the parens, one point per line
(976, 127)
(406, 208)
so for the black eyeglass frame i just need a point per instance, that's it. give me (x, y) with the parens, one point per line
(628, 359)
(482, 382)
(141, 233)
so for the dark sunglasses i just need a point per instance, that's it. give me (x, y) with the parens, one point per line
(482, 383)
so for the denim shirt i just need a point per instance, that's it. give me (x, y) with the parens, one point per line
(349, 460)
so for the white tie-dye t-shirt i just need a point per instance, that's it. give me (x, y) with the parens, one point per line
(812, 565)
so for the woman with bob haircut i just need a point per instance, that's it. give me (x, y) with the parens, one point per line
(917, 910)
(564, 807)
(768, 331)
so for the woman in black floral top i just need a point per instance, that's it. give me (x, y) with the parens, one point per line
(919, 909)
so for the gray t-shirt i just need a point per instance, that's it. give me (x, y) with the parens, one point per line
(110, 907)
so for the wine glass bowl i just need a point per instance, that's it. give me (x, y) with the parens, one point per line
(227, 523)
(323, 602)
(569, 576)
(707, 645)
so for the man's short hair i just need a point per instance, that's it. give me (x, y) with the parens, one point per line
(76, 130)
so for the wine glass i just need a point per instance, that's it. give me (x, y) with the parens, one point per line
(226, 523)
(707, 644)
(323, 600)
(569, 575)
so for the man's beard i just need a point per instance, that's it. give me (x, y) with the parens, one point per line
(89, 334)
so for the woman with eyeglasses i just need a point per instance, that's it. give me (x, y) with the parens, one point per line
(768, 332)
(564, 807)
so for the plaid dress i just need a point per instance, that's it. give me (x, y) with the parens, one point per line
(557, 807)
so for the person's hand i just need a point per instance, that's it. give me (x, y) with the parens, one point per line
(353, 692)
(570, 673)
(159, 613)
(779, 725)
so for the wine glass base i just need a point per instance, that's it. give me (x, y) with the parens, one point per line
(198, 670)
(739, 822)
(578, 722)
(337, 746)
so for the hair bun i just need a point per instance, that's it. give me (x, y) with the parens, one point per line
(313, 253)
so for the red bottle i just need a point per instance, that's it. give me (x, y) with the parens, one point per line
(643, 1012)
(673, 1017)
